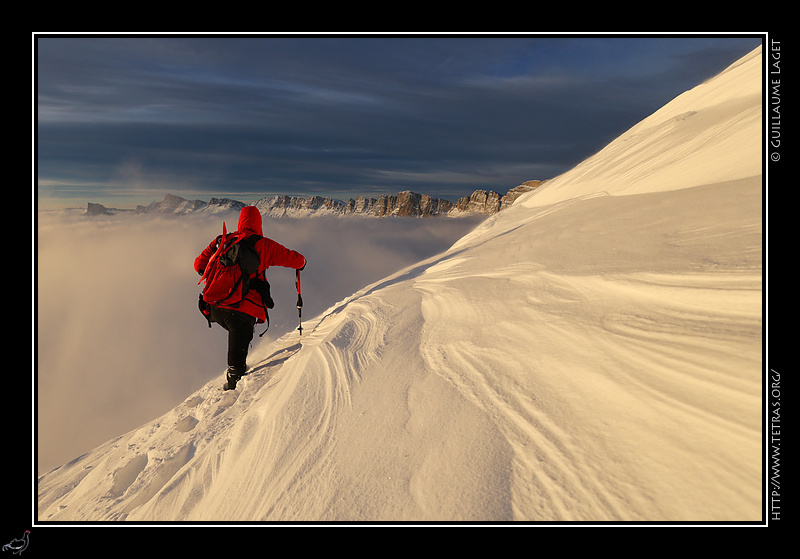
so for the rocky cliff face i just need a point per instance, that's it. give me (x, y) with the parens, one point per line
(96, 209)
(490, 202)
(172, 204)
(297, 206)
(403, 204)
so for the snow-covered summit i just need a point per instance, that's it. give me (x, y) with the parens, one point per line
(592, 353)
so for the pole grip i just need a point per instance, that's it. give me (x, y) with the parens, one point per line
(297, 284)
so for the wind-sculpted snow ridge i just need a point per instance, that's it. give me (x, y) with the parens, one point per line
(621, 361)
(593, 357)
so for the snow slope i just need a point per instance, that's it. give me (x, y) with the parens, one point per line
(592, 353)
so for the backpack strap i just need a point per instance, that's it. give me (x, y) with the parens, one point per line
(205, 309)
(266, 312)
(251, 241)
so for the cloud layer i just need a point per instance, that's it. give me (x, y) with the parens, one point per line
(119, 337)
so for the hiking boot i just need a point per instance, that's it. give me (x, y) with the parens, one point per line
(232, 377)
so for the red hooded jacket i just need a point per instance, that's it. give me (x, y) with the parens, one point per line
(270, 254)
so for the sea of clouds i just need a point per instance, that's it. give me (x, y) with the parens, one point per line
(119, 339)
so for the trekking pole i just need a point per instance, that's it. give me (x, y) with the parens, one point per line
(299, 303)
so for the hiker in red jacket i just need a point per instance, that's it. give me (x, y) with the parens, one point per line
(239, 317)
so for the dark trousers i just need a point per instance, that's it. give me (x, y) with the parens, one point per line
(240, 333)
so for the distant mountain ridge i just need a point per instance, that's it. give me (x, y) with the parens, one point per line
(402, 204)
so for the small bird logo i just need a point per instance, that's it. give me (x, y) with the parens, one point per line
(17, 546)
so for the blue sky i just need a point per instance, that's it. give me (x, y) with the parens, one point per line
(122, 120)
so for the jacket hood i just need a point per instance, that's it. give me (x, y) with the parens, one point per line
(250, 220)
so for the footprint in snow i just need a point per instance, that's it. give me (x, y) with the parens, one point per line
(186, 424)
(193, 402)
(226, 401)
